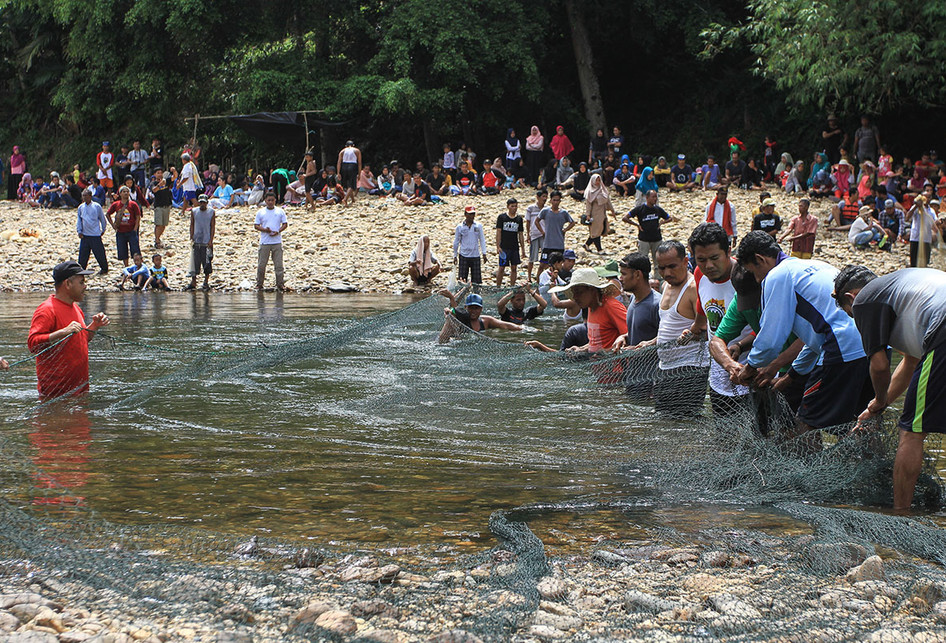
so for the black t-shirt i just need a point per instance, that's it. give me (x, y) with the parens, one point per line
(735, 168)
(435, 182)
(750, 176)
(162, 197)
(519, 316)
(649, 217)
(74, 191)
(511, 227)
(156, 163)
(464, 318)
(421, 189)
(581, 180)
(466, 179)
(767, 222)
(681, 175)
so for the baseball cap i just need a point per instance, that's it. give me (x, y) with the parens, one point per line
(569, 254)
(768, 202)
(889, 203)
(470, 209)
(202, 198)
(106, 144)
(68, 269)
(473, 300)
(681, 157)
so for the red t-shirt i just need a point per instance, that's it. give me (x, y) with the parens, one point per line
(605, 324)
(64, 368)
(128, 220)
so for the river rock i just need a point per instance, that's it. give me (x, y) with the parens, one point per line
(310, 612)
(31, 636)
(939, 611)
(551, 588)
(891, 635)
(608, 557)
(8, 622)
(546, 632)
(455, 636)
(870, 569)
(714, 559)
(341, 286)
(367, 609)
(635, 601)
(74, 636)
(383, 575)
(930, 591)
(337, 621)
(729, 605)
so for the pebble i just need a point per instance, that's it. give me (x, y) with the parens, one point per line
(337, 622)
(550, 587)
(870, 569)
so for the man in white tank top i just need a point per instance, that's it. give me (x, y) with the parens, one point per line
(682, 369)
(349, 168)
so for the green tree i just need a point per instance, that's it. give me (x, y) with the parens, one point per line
(868, 56)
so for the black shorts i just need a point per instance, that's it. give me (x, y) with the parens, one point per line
(422, 279)
(924, 409)
(546, 252)
(512, 257)
(349, 175)
(836, 394)
(310, 183)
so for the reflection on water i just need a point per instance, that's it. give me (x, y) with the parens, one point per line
(338, 447)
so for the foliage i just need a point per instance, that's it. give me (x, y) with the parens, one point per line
(872, 56)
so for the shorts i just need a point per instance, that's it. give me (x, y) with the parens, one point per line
(801, 255)
(924, 409)
(535, 249)
(162, 215)
(349, 175)
(127, 244)
(835, 394)
(190, 194)
(201, 259)
(510, 257)
(547, 252)
(107, 183)
(310, 183)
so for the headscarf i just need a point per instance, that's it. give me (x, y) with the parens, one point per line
(26, 181)
(423, 255)
(16, 159)
(561, 145)
(512, 139)
(644, 183)
(535, 140)
(595, 190)
(599, 143)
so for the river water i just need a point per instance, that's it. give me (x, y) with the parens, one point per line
(348, 448)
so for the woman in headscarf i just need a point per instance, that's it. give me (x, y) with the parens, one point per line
(26, 190)
(535, 151)
(867, 180)
(645, 184)
(597, 206)
(598, 148)
(578, 182)
(785, 165)
(17, 170)
(821, 163)
(561, 145)
(513, 150)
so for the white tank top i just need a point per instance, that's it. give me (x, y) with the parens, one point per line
(348, 155)
(672, 325)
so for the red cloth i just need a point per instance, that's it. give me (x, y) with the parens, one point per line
(727, 215)
(561, 146)
(129, 218)
(66, 367)
(605, 324)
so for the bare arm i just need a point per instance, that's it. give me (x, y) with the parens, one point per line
(492, 322)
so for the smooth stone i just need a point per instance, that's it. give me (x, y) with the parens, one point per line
(337, 621)
(729, 605)
(310, 612)
(455, 636)
(870, 569)
(635, 601)
(550, 587)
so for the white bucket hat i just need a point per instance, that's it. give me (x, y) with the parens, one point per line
(587, 277)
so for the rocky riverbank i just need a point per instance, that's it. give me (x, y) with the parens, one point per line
(649, 592)
(365, 246)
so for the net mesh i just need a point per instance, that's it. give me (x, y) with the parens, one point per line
(819, 560)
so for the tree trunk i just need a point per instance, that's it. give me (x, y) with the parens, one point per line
(430, 145)
(587, 79)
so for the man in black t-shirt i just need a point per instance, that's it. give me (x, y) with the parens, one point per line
(734, 170)
(161, 189)
(681, 175)
(647, 218)
(156, 156)
(436, 180)
(767, 220)
(510, 240)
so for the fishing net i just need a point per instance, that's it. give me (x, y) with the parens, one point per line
(687, 517)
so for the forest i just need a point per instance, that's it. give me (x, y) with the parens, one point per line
(401, 77)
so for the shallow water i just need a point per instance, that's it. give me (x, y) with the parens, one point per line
(350, 447)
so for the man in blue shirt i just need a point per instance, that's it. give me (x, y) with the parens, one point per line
(90, 225)
(797, 297)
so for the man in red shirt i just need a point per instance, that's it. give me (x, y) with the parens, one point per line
(126, 222)
(60, 337)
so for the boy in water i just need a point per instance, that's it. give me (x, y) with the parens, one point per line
(159, 275)
(138, 273)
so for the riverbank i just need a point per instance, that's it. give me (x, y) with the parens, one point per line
(366, 246)
(644, 592)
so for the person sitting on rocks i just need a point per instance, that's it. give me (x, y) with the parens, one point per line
(866, 231)
(423, 265)
(490, 181)
(138, 273)
(420, 193)
(331, 194)
(159, 275)
(624, 180)
(385, 182)
(466, 181)
(366, 182)
(437, 181)
(473, 317)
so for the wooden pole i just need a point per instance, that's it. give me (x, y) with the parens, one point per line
(306, 119)
(196, 118)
